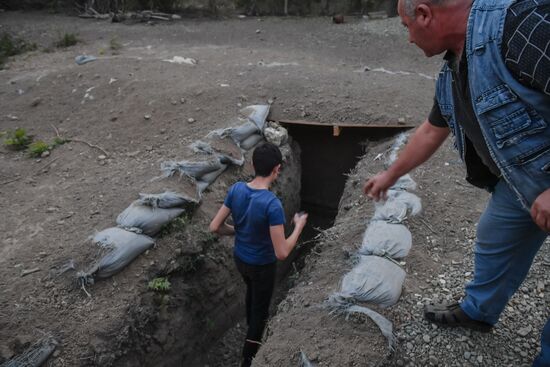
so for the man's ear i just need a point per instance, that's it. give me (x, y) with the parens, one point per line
(276, 169)
(423, 15)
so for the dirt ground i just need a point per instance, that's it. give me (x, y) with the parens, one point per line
(141, 110)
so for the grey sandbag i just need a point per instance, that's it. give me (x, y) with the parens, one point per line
(397, 206)
(122, 248)
(167, 200)
(257, 114)
(189, 168)
(35, 355)
(145, 218)
(240, 133)
(251, 141)
(374, 279)
(404, 182)
(382, 238)
(385, 326)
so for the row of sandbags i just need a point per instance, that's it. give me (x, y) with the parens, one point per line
(222, 148)
(146, 216)
(377, 278)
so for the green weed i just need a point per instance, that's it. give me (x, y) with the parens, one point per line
(17, 140)
(67, 40)
(114, 45)
(160, 284)
(10, 46)
(37, 148)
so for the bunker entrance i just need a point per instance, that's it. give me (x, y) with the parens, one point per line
(328, 154)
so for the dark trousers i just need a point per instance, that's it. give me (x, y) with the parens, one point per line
(260, 281)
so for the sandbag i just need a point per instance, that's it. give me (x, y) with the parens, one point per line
(251, 141)
(257, 114)
(374, 279)
(35, 355)
(382, 238)
(141, 218)
(240, 133)
(189, 168)
(122, 248)
(396, 208)
(167, 200)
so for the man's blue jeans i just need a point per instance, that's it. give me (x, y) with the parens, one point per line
(507, 241)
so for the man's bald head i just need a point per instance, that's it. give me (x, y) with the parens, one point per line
(409, 6)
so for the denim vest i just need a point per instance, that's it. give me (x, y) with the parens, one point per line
(514, 119)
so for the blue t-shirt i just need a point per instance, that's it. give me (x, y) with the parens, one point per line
(254, 211)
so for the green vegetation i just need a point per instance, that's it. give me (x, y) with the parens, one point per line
(177, 225)
(67, 40)
(10, 46)
(17, 140)
(114, 45)
(37, 148)
(160, 284)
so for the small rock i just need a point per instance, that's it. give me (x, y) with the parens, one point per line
(176, 17)
(401, 120)
(174, 102)
(147, 117)
(51, 209)
(258, 31)
(182, 101)
(132, 154)
(190, 120)
(35, 102)
(45, 154)
(524, 331)
(467, 355)
(426, 338)
(102, 157)
(480, 359)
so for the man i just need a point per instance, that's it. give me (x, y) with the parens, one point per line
(493, 94)
(259, 239)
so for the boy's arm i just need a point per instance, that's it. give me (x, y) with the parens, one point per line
(283, 246)
(218, 224)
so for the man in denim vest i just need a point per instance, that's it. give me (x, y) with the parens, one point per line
(493, 95)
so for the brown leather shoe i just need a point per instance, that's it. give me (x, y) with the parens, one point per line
(452, 315)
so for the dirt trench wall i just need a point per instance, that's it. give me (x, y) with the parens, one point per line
(206, 296)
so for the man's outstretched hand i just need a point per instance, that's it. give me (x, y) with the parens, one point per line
(540, 211)
(377, 187)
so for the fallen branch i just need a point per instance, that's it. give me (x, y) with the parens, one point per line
(10, 181)
(79, 141)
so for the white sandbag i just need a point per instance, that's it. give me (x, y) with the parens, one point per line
(122, 248)
(146, 219)
(382, 238)
(251, 141)
(397, 207)
(374, 279)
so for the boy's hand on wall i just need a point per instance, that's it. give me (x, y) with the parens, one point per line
(300, 219)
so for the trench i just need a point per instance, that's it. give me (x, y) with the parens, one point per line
(325, 161)
(203, 323)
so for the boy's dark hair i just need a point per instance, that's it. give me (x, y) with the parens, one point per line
(265, 158)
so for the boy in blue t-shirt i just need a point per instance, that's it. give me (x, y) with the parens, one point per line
(259, 219)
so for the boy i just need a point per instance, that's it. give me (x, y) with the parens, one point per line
(259, 239)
